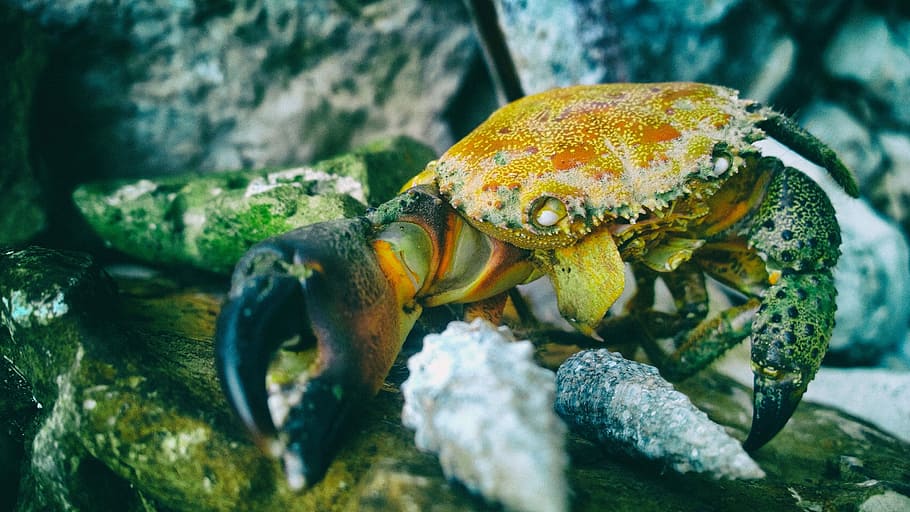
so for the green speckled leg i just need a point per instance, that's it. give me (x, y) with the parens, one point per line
(796, 230)
(699, 341)
(709, 340)
(690, 298)
(734, 264)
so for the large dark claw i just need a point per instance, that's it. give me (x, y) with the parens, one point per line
(775, 400)
(321, 284)
(264, 313)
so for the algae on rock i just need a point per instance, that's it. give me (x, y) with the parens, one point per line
(133, 419)
(209, 220)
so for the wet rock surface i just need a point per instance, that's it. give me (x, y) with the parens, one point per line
(209, 221)
(131, 399)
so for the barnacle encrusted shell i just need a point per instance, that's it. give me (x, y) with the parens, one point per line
(602, 150)
(628, 407)
(476, 398)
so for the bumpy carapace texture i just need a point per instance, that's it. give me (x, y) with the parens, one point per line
(603, 151)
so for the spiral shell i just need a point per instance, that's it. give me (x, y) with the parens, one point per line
(476, 398)
(629, 408)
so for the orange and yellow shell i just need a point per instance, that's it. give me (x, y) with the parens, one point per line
(547, 169)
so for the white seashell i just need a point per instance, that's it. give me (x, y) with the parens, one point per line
(628, 407)
(476, 398)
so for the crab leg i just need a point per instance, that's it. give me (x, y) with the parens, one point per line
(354, 288)
(782, 256)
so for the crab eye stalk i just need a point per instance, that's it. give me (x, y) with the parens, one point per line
(547, 211)
(723, 159)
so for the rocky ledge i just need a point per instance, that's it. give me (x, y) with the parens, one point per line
(115, 404)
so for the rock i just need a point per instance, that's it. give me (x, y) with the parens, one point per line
(874, 51)
(209, 221)
(888, 501)
(133, 419)
(18, 408)
(476, 398)
(813, 12)
(562, 43)
(554, 44)
(22, 57)
(873, 276)
(891, 193)
(877, 395)
(611, 41)
(223, 85)
(771, 77)
(393, 485)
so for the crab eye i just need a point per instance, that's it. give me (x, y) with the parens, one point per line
(723, 160)
(547, 211)
(721, 165)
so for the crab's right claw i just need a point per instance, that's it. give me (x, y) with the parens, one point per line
(320, 285)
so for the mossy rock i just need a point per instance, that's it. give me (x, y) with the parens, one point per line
(208, 221)
(132, 418)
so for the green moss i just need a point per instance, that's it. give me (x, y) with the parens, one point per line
(208, 221)
(232, 228)
(394, 161)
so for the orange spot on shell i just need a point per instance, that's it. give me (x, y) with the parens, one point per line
(665, 132)
(671, 95)
(571, 158)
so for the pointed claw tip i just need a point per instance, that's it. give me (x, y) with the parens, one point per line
(758, 438)
(589, 329)
(310, 434)
(252, 325)
(775, 400)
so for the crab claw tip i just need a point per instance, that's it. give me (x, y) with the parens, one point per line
(775, 400)
(312, 429)
(253, 324)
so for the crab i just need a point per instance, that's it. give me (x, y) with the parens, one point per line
(576, 184)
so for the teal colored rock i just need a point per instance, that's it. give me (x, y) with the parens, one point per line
(22, 57)
(208, 221)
